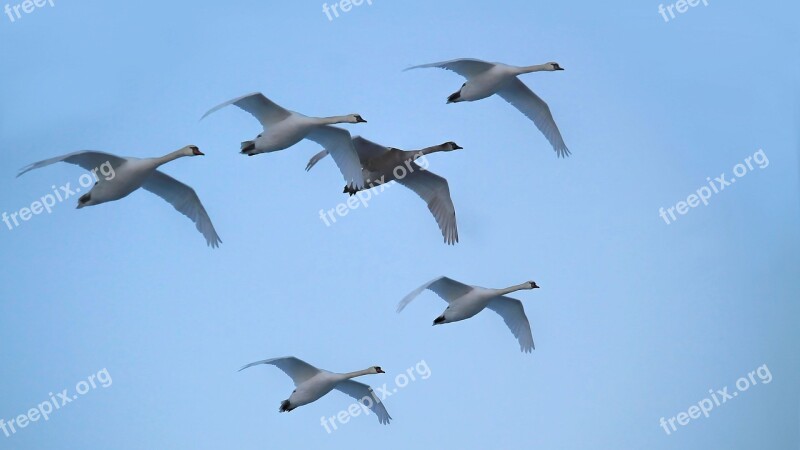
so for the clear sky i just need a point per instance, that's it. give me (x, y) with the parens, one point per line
(636, 319)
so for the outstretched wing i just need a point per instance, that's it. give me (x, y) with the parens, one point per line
(339, 145)
(186, 201)
(366, 396)
(298, 370)
(446, 288)
(435, 191)
(263, 109)
(87, 159)
(465, 67)
(524, 99)
(513, 314)
(365, 149)
(315, 159)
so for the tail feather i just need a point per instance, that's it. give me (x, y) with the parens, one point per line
(455, 97)
(248, 147)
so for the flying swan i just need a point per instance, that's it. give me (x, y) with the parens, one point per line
(485, 79)
(312, 384)
(380, 165)
(284, 128)
(465, 301)
(131, 174)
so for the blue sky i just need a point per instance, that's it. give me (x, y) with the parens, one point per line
(636, 319)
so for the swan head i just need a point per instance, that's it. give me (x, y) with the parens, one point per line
(376, 369)
(553, 66)
(533, 285)
(450, 146)
(192, 150)
(355, 118)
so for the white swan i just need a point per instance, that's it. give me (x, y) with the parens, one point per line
(485, 79)
(380, 165)
(465, 301)
(284, 128)
(312, 384)
(131, 174)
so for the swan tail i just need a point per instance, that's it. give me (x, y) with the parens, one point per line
(85, 198)
(352, 190)
(248, 148)
(454, 98)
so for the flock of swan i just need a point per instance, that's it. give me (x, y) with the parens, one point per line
(364, 165)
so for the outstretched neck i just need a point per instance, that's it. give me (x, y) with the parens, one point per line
(359, 373)
(334, 120)
(529, 69)
(428, 150)
(169, 157)
(516, 288)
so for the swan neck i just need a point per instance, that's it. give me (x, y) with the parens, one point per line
(169, 157)
(334, 120)
(530, 69)
(428, 150)
(516, 288)
(359, 373)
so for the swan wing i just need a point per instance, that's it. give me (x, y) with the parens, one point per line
(435, 191)
(446, 288)
(465, 67)
(513, 314)
(263, 109)
(186, 201)
(87, 159)
(365, 149)
(366, 396)
(339, 145)
(298, 370)
(315, 159)
(530, 104)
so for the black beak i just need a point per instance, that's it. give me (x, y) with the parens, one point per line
(559, 68)
(360, 120)
(380, 370)
(458, 147)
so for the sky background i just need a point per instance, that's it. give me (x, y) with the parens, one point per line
(636, 319)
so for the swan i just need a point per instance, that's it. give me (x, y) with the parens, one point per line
(131, 174)
(465, 301)
(284, 128)
(485, 79)
(312, 384)
(380, 165)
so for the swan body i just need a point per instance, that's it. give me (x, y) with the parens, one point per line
(131, 174)
(284, 129)
(465, 301)
(312, 384)
(485, 79)
(381, 165)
